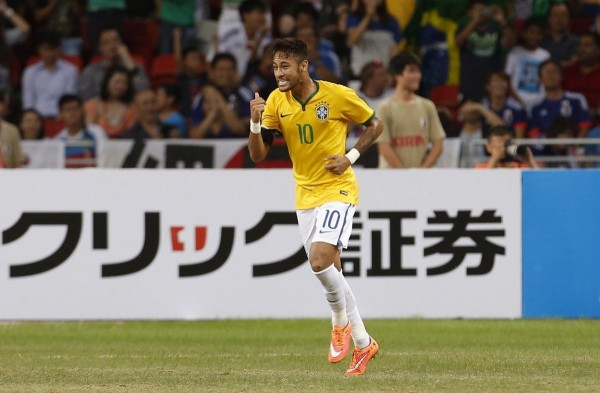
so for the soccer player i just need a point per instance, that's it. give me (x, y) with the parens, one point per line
(313, 117)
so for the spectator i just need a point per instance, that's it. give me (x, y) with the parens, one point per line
(212, 115)
(476, 122)
(64, 17)
(323, 64)
(584, 75)
(176, 14)
(190, 78)
(112, 110)
(298, 14)
(306, 15)
(372, 34)
(50, 78)
(498, 140)
(167, 100)
(11, 153)
(80, 138)
(148, 125)
(112, 52)
(31, 124)
(246, 41)
(375, 83)
(104, 15)
(561, 44)
(232, 105)
(557, 102)
(5, 77)
(480, 42)
(563, 128)
(259, 77)
(18, 33)
(523, 62)
(410, 122)
(505, 103)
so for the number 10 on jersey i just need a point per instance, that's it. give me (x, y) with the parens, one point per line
(306, 133)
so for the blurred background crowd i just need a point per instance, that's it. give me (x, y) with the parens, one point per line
(80, 70)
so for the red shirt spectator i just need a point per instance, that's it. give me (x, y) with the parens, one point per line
(584, 75)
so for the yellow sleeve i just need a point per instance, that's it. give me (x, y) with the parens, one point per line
(354, 108)
(270, 117)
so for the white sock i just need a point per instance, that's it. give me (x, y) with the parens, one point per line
(334, 291)
(359, 334)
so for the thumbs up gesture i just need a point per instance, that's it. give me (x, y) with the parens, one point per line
(257, 107)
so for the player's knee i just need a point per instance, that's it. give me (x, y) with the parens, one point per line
(320, 261)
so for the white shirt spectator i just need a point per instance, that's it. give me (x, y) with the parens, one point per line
(42, 87)
(522, 66)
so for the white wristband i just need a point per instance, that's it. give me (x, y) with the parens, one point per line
(254, 127)
(353, 155)
(9, 12)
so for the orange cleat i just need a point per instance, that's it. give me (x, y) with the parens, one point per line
(340, 343)
(360, 358)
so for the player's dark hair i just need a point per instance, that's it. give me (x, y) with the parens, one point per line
(402, 60)
(292, 47)
(68, 98)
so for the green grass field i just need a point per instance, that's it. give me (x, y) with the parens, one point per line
(290, 356)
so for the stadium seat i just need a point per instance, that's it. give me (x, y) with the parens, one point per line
(16, 69)
(52, 127)
(445, 95)
(163, 70)
(141, 36)
(75, 60)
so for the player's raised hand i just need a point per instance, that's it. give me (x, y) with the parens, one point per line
(257, 107)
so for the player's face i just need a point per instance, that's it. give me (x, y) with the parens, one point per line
(288, 72)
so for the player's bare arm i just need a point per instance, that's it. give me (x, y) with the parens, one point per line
(256, 146)
(338, 164)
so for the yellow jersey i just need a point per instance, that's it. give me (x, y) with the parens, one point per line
(314, 130)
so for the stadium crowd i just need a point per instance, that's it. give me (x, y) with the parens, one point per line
(143, 69)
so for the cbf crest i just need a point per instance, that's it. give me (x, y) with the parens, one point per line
(322, 110)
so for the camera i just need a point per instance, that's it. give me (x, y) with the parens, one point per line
(513, 150)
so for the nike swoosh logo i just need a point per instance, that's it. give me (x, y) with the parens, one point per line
(359, 362)
(322, 231)
(334, 353)
(285, 115)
